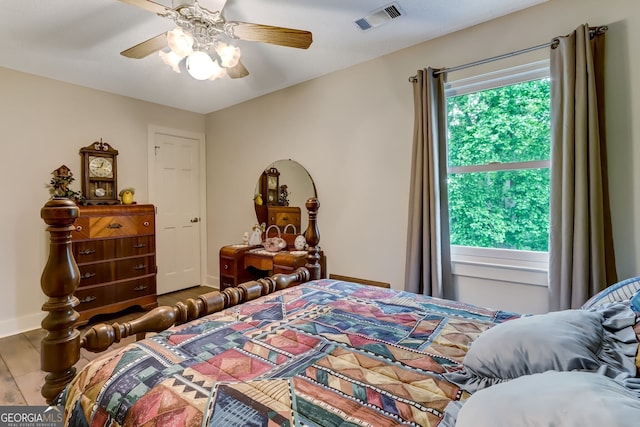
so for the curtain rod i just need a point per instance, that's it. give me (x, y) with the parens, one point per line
(594, 31)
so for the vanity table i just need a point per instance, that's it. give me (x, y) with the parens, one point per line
(241, 263)
(282, 190)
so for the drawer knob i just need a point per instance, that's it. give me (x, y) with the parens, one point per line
(146, 223)
(114, 225)
(139, 245)
(87, 275)
(78, 228)
(140, 288)
(140, 267)
(88, 299)
(87, 252)
(226, 266)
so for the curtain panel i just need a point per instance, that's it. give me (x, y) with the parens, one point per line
(581, 256)
(428, 264)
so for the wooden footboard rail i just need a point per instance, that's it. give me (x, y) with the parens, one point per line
(60, 348)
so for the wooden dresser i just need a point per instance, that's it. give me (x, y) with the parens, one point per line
(114, 247)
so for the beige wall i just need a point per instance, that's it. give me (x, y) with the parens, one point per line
(352, 130)
(43, 124)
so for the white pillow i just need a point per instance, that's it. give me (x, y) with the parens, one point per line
(567, 399)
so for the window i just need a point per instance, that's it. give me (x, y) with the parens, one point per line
(498, 159)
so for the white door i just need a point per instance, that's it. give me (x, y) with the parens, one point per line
(176, 188)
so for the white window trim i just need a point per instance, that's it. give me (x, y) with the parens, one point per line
(527, 267)
(524, 267)
(508, 76)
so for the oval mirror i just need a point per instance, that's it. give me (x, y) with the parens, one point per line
(282, 189)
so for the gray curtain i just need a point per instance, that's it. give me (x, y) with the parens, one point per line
(428, 265)
(581, 258)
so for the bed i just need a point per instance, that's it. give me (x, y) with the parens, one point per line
(297, 350)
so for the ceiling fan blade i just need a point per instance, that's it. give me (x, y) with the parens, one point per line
(238, 72)
(149, 6)
(147, 47)
(281, 36)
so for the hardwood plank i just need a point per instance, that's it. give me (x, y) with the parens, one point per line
(9, 392)
(35, 337)
(19, 354)
(29, 385)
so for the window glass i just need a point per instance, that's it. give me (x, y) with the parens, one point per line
(498, 158)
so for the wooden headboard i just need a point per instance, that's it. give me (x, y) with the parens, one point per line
(60, 348)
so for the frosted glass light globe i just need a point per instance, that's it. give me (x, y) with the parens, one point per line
(229, 55)
(200, 65)
(180, 42)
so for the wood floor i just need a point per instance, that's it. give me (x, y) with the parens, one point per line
(20, 374)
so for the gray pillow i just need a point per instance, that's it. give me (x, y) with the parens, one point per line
(568, 399)
(561, 341)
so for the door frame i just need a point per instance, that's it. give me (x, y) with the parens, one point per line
(154, 130)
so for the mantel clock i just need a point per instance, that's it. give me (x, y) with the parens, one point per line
(270, 186)
(99, 174)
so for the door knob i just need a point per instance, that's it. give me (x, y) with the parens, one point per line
(196, 219)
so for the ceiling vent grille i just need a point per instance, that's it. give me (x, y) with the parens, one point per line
(379, 17)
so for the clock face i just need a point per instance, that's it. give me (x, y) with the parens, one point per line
(273, 182)
(100, 167)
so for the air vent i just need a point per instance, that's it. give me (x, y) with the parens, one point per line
(379, 17)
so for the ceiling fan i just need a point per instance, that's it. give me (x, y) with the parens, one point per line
(199, 37)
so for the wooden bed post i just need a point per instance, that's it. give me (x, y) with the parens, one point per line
(60, 348)
(312, 235)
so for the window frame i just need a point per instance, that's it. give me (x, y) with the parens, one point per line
(467, 259)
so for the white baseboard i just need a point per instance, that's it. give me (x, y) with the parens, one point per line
(21, 324)
(213, 281)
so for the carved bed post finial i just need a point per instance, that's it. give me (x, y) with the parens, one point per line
(60, 348)
(312, 235)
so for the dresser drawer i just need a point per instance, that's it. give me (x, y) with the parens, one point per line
(101, 227)
(109, 271)
(104, 249)
(93, 250)
(102, 295)
(94, 296)
(228, 266)
(132, 246)
(282, 216)
(136, 288)
(134, 267)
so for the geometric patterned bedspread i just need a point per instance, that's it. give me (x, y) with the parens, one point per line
(323, 353)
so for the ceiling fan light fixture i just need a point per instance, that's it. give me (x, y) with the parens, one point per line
(229, 55)
(219, 72)
(180, 42)
(200, 65)
(172, 59)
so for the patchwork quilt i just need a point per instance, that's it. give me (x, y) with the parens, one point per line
(324, 353)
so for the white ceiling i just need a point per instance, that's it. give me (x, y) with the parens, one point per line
(79, 41)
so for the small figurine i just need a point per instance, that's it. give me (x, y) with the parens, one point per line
(59, 184)
(126, 195)
(256, 236)
(283, 200)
